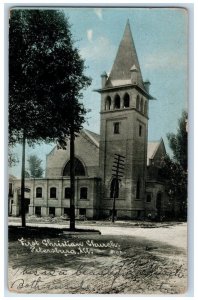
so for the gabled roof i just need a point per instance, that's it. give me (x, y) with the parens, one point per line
(152, 148)
(126, 59)
(94, 137)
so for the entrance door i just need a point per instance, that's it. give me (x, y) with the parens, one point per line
(27, 203)
(159, 205)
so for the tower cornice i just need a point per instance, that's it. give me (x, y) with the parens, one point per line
(113, 88)
(118, 111)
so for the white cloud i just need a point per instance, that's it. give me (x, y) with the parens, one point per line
(89, 35)
(165, 60)
(99, 49)
(98, 12)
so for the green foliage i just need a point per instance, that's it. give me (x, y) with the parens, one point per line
(12, 158)
(45, 77)
(34, 167)
(179, 142)
(27, 175)
(174, 171)
(176, 183)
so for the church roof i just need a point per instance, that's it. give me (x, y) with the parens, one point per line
(125, 62)
(152, 148)
(93, 136)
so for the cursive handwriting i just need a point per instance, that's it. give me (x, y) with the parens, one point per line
(118, 276)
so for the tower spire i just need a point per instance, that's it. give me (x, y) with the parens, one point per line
(126, 59)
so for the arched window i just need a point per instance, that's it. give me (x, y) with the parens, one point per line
(83, 192)
(126, 100)
(38, 192)
(138, 189)
(148, 198)
(141, 105)
(114, 189)
(52, 192)
(117, 102)
(108, 103)
(145, 108)
(138, 102)
(78, 167)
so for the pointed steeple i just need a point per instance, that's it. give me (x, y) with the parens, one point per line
(125, 61)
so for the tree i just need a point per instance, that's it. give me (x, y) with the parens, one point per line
(12, 158)
(176, 185)
(27, 175)
(46, 78)
(178, 142)
(174, 171)
(35, 170)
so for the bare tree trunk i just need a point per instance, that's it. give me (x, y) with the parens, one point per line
(72, 180)
(23, 183)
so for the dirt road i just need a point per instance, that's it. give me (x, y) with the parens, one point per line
(174, 234)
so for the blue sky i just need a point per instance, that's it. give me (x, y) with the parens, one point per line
(161, 40)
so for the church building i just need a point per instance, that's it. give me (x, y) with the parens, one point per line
(124, 116)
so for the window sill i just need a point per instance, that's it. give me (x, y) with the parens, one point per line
(111, 199)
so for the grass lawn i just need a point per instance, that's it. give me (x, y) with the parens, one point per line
(47, 261)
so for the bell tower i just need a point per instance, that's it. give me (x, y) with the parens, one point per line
(124, 126)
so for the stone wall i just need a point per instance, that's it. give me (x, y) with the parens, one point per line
(45, 203)
(131, 142)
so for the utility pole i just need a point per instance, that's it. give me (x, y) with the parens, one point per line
(117, 173)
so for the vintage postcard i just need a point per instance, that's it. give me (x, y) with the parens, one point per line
(98, 130)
